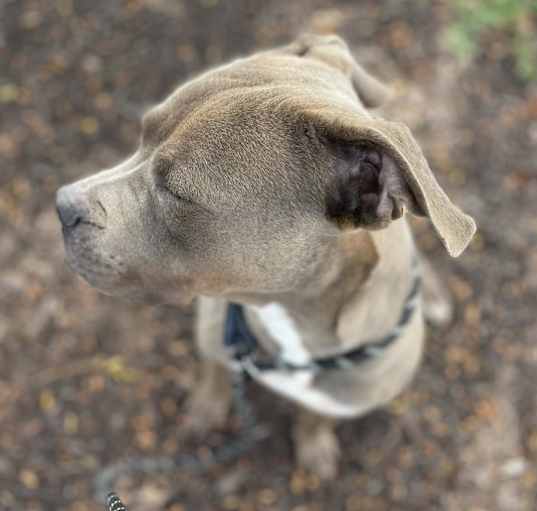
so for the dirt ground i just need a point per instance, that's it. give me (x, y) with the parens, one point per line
(86, 380)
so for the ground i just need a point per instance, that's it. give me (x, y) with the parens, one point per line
(86, 380)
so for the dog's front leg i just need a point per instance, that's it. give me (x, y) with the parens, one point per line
(209, 404)
(316, 444)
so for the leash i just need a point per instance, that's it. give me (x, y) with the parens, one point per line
(238, 338)
(251, 433)
(113, 503)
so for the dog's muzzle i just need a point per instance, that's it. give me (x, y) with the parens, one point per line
(73, 207)
(69, 207)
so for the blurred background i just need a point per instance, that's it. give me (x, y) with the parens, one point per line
(86, 380)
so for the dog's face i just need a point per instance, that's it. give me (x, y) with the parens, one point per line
(219, 196)
(234, 188)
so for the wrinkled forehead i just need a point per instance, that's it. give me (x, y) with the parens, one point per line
(227, 139)
(258, 88)
(214, 108)
(232, 126)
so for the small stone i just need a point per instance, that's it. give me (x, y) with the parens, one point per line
(29, 479)
(64, 7)
(91, 64)
(7, 500)
(70, 423)
(8, 146)
(231, 502)
(169, 407)
(31, 19)
(9, 93)
(151, 497)
(47, 401)
(5, 466)
(186, 53)
(80, 506)
(487, 410)
(232, 481)
(514, 467)
(298, 483)
(104, 101)
(89, 126)
(146, 439)
(178, 349)
(461, 289)
(95, 383)
(532, 441)
(267, 497)
(472, 314)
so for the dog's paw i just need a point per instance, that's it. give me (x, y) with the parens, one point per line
(438, 312)
(437, 303)
(205, 412)
(319, 453)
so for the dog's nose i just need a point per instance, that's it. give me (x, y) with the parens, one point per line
(69, 208)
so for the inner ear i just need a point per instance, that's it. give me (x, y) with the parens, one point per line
(368, 189)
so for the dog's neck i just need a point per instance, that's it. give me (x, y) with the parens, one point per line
(355, 295)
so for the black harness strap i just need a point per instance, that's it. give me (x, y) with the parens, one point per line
(237, 335)
(243, 344)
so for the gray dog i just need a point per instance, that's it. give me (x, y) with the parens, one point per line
(267, 183)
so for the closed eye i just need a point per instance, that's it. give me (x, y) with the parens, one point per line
(161, 170)
(164, 190)
(160, 173)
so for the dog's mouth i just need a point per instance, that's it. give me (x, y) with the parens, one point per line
(101, 269)
(110, 274)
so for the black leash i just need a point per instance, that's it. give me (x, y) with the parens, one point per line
(113, 503)
(250, 434)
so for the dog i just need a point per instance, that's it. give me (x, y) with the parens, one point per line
(267, 189)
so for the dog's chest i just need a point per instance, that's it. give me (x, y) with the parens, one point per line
(283, 331)
(298, 385)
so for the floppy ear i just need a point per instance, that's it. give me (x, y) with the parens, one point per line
(368, 189)
(380, 173)
(334, 51)
(372, 92)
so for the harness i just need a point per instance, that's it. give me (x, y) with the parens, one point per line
(244, 348)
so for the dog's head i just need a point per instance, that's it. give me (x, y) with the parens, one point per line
(244, 176)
